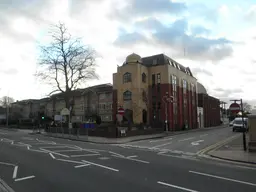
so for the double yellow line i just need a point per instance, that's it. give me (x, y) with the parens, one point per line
(217, 145)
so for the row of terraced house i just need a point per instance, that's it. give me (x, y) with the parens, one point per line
(151, 77)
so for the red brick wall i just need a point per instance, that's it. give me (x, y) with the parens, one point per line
(211, 108)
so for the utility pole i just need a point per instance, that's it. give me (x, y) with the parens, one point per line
(167, 99)
(243, 123)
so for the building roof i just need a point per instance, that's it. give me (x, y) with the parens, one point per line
(201, 88)
(156, 60)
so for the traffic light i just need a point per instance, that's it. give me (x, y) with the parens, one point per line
(42, 117)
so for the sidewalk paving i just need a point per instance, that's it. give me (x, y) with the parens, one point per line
(122, 140)
(233, 151)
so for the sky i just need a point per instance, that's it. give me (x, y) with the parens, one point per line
(216, 39)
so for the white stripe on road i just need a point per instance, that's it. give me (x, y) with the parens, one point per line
(153, 141)
(160, 145)
(84, 155)
(71, 150)
(133, 156)
(130, 158)
(84, 165)
(203, 135)
(223, 178)
(102, 166)
(52, 155)
(186, 139)
(25, 178)
(14, 175)
(175, 186)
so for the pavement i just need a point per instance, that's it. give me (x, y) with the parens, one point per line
(39, 163)
(124, 139)
(234, 151)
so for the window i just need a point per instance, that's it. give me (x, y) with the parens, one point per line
(144, 78)
(193, 93)
(159, 105)
(153, 79)
(158, 77)
(155, 62)
(184, 86)
(127, 77)
(127, 95)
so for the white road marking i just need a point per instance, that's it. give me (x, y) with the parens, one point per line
(71, 150)
(161, 145)
(197, 142)
(3, 133)
(9, 164)
(133, 156)
(186, 139)
(102, 166)
(175, 186)
(103, 158)
(85, 155)
(138, 160)
(158, 140)
(14, 175)
(203, 135)
(84, 165)
(52, 155)
(25, 178)
(223, 178)
(70, 161)
(117, 154)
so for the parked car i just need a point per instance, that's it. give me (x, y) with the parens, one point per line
(240, 124)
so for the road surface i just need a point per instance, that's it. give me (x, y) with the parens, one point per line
(39, 163)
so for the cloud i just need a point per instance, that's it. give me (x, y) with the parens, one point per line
(177, 38)
(134, 9)
(9, 71)
(250, 15)
(197, 71)
(199, 10)
(128, 39)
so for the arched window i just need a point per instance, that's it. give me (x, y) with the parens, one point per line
(127, 95)
(144, 77)
(127, 77)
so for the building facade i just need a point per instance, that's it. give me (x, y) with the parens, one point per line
(210, 108)
(88, 102)
(140, 85)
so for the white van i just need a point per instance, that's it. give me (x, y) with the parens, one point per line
(238, 124)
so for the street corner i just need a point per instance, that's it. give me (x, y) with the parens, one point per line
(207, 150)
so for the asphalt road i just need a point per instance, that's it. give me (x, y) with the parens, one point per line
(39, 163)
(189, 143)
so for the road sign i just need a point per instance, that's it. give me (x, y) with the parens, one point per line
(120, 111)
(234, 108)
(64, 111)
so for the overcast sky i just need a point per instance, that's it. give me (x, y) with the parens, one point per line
(218, 36)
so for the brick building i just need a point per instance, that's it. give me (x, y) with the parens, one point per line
(140, 85)
(211, 108)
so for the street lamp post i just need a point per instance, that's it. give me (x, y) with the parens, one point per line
(167, 99)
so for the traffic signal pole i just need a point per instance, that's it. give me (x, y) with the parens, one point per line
(243, 122)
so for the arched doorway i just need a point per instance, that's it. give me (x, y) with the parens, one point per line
(144, 116)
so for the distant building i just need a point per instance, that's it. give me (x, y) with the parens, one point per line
(141, 83)
(210, 107)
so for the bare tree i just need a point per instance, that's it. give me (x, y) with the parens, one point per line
(247, 107)
(66, 62)
(6, 101)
